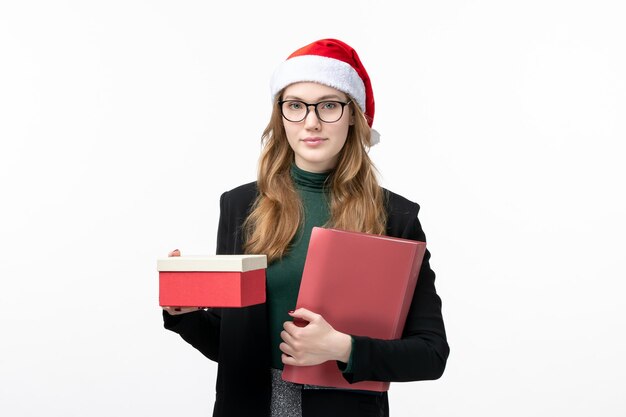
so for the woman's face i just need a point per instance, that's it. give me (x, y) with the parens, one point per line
(316, 144)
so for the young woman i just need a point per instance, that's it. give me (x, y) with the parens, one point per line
(314, 170)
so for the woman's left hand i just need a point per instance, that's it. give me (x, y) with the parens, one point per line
(315, 343)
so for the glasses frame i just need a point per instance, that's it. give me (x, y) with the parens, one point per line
(308, 105)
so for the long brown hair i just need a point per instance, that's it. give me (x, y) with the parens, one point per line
(356, 198)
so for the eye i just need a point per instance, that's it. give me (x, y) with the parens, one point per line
(329, 105)
(295, 105)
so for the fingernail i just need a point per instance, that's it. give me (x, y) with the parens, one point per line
(290, 311)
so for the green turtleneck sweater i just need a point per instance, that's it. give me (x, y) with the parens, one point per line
(284, 276)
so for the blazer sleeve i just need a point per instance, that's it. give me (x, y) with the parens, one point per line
(422, 352)
(201, 329)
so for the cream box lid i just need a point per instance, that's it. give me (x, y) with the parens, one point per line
(222, 263)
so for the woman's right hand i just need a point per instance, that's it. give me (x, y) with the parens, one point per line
(174, 311)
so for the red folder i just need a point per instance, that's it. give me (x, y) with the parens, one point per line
(362, 284)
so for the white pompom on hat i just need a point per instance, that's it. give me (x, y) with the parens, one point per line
(333, 63)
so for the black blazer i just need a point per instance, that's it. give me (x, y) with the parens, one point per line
(238, 339)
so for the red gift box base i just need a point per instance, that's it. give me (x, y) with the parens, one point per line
(211, 289)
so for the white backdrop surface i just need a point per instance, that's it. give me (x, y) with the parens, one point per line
(121, 123)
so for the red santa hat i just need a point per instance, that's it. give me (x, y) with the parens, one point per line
(333, 63)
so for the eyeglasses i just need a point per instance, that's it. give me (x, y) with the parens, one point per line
(326, 111)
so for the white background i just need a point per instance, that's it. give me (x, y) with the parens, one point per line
(121, 122)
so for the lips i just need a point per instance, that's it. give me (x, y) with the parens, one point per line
(313, 141)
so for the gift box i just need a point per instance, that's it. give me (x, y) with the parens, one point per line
(212, 281)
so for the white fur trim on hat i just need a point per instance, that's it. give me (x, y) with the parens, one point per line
(315, 68)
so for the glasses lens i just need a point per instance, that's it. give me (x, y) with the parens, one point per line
(294, 111)
(330, 111)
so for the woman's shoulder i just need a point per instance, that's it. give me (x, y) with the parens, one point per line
(397, 204)
(242, 195)
(243, 190)
(402, 216)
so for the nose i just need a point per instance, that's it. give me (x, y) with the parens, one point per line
(311, 121)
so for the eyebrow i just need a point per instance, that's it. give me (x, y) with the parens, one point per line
(326, 97)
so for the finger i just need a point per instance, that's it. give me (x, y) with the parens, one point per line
(174, 310)
(287, 338)
(290, 328)
(303, 313)
(170, 310)
(175, 252)
(286, 349)
(288, 360)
